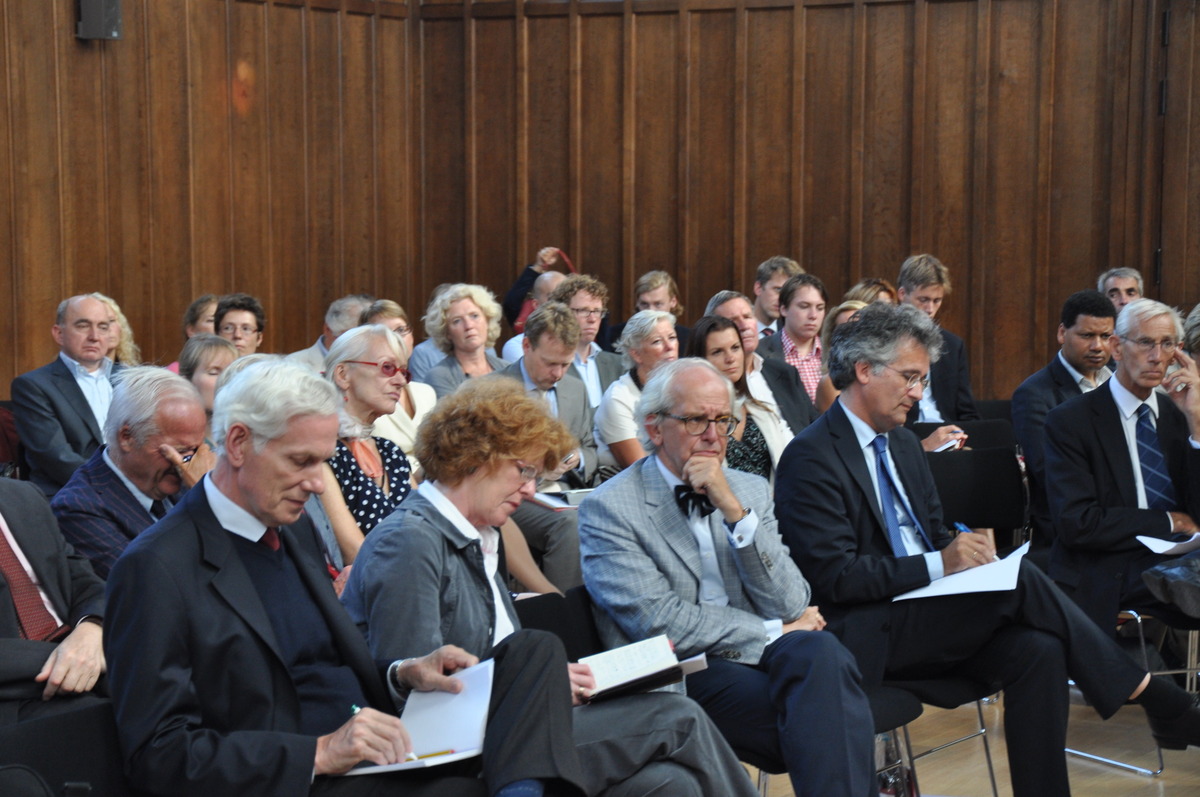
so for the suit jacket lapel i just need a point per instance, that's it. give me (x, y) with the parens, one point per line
(230, 579)
(67, 385)
(1111, 436)
(664, 517)
(845, 442)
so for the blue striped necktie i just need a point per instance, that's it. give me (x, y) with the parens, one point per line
(1160, 492)
(888, 500)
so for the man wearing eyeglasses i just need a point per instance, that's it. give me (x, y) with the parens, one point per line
(861, 514)
(587, 298)
(680, 545)
(1122, 461)
(130, 483)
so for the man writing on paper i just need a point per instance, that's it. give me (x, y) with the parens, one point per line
(233, 668)
(859, 509)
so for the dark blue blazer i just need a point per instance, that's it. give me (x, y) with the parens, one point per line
(950, 381)
(830, 520)
(1093, 497)
(98, 514)
(1036, 396)
(55, 423)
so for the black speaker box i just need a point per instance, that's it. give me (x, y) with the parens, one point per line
(99, 19)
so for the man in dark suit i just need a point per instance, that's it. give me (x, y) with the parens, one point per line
(924, 282)
(60, 408)
(234, 669)
(130, 483)
(551, 335)
(862, 517)
(587, 298)
(771, 381)
(1123, 461)
(50, 648)
(1083, 334)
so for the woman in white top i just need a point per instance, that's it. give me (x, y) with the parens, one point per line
(647, 340)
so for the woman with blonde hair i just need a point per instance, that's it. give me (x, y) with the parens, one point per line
(121, 348)
(826, 392)
(464, 322)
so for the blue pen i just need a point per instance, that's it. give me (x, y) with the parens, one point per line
(961, 528)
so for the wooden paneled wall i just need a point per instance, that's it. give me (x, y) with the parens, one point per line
(303, 149)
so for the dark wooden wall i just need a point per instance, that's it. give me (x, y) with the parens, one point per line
(303, 149)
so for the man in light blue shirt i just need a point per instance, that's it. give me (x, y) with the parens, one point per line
(61, 407)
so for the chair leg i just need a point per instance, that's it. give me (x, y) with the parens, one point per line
(764, 782)
(1152, 773)
(981, 732)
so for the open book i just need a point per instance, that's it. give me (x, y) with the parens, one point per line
(445, 727)
(639, 667)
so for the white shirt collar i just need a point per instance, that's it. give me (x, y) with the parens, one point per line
(77, 370)
(233, 518)
(1127, 403)
(143, 499)
(671, 479)
(862, 430)
(434, 495)
(593, 350)
(1101, 376)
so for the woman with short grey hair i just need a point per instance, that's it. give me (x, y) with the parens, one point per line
(648, 339)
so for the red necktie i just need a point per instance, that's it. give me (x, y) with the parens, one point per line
(270, 538)
(36, 622)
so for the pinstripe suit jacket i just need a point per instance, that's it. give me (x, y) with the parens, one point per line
(97, 513)
(641, 565)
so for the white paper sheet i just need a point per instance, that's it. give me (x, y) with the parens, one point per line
(1170, 546)
(445, 727)
(992, 577)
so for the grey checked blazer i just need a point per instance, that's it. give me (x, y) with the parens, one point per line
(641, 565)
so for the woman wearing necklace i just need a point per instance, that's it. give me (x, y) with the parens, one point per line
(647, 340)
(464, 322)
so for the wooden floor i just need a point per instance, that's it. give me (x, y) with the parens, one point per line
(961, 771)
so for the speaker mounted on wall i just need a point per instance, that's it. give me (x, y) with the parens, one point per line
(99, 19)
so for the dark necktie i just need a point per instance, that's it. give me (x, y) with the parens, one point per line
(36, 622)
(1160, 492)
(888, 497)
(767, 332)
(270, 538)
(158, 509)
(688, 499)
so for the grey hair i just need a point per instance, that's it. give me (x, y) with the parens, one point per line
(439, 308)
(1123, 273)
(1191, 331)
(240, 364)
(723, 297)
(640, 327)
(265, 396)
(1139, 311)
(343, 313)
(658, 396)
(876, 337)
(355, 344)
(139, 393)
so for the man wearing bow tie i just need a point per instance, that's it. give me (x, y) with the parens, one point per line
(680, 545)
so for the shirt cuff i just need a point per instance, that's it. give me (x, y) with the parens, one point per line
(1194, 443)
(774, 629)
(741, 534)
(398, 694)
(933, 562)
(1170, 524)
